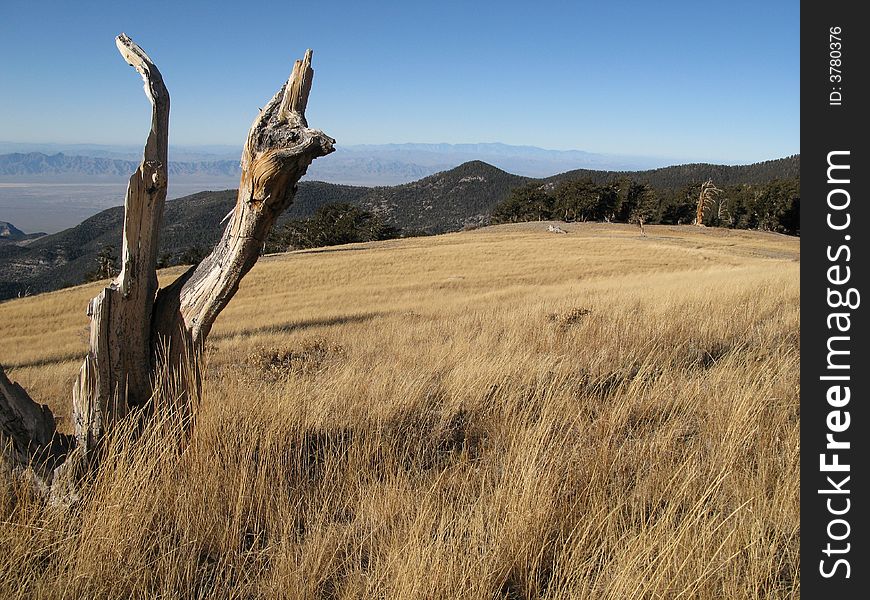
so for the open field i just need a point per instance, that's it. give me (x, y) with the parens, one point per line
(504, 412)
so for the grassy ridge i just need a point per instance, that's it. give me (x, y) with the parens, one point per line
(497, 413)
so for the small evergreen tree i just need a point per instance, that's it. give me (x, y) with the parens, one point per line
(107, 261)
(644, 205)
(164, 259)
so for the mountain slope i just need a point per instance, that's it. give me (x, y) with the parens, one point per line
(8, 231)
(446, 201)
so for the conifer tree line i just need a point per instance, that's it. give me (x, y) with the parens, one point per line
(331, 225)
(772, 206)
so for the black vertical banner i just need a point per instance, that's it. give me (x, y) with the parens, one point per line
(835, 223)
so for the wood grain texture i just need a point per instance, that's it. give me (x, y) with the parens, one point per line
(116, 374)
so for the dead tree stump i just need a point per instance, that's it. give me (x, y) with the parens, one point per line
(137, 329)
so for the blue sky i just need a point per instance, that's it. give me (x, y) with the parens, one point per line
(691, 80)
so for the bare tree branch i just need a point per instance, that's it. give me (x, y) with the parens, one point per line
(277, 153)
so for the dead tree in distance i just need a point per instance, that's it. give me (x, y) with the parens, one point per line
(134, 326)
(706, 196)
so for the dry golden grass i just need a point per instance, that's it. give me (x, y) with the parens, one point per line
(497, 413)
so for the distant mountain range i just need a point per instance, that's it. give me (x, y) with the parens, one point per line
(446, 201)
(35, 166)
(124, 152)
(369, 164)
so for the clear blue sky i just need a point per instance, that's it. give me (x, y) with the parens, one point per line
(695, 80)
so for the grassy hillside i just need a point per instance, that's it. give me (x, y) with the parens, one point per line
(501, 413)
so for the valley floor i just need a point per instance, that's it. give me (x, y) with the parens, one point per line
(505, 412)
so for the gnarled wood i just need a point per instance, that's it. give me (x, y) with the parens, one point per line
(134, 327)
(278, 151)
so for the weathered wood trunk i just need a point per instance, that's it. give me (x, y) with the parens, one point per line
(279, 148)
(116, 374)
(27, 431)
(134, 327)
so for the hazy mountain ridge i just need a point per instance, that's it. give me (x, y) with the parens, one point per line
(124, 152)
(343, 167)
(446, 201)
(39, 165)
(362, 164)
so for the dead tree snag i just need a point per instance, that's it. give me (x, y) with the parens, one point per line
(706, 196)
(134, 326)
